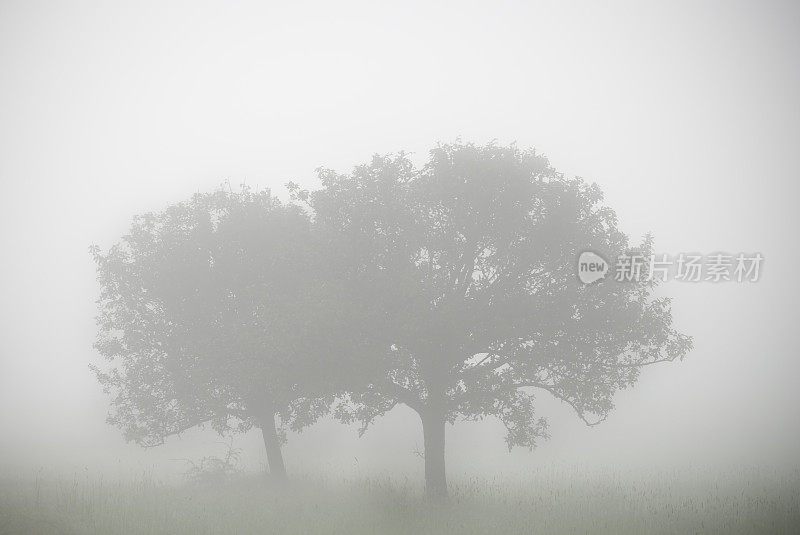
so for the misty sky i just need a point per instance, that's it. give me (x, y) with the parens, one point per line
(687, 114)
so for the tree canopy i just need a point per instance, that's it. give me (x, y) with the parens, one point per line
(451, 288)
(468, 266)
(214, 310)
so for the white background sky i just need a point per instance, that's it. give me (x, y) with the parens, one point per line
(687, 114)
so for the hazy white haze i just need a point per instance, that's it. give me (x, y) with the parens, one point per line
(686, 114)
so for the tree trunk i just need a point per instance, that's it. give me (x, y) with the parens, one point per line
(274, 456)
(433, 432)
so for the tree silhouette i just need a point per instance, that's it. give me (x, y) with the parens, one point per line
(213, 310)
(467, 271)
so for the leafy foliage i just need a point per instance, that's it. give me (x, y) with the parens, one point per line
(467, 268)
(214, 311)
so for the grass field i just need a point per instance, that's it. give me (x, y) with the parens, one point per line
(547, 501)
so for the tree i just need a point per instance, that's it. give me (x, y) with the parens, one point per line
(215, 310)
(468, 269)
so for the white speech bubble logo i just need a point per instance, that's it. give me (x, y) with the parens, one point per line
(591, 267)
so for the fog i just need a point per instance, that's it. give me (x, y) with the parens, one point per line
(686, 114)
